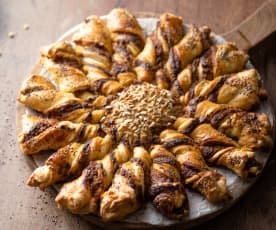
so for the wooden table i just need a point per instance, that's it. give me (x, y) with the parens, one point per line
(27, 208)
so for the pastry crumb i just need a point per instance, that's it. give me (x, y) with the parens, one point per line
(11, 34)
(26, 27)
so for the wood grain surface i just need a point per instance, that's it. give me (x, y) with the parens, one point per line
(26, 208)
(255, 28)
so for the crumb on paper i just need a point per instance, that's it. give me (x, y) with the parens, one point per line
(26, 27)
(11, 34)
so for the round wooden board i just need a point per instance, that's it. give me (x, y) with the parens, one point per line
(147, 217)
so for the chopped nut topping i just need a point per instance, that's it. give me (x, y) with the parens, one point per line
(137, 110)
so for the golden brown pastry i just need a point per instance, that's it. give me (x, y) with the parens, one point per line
(206, 135)
(47, 134)
(240, 90)
(96, 100)
(41, 95)
(194, 171)
(93, 44)
(110, 96)
(252, 130)
(127, 192)
(217, 149)
(62, 62)
(64, 65)
(127, 41)
(69, 161)
(166, 190)
(241, 161)
(207, 111)
(83, 194)
(219, 60)
(168, 33)
(194, 43)
(61, 53)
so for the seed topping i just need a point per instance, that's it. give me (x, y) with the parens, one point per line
(138, 110)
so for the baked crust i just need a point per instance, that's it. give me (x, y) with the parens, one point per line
(135, 118)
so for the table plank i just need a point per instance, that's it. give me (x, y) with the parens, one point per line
(27, 208)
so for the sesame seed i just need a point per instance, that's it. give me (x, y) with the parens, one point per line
(26, 26)
(11, 34)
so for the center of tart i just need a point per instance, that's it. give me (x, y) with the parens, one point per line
(138, 113)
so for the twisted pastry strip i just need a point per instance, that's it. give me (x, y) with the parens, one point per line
(96, 100)
(217, 149)
(69, 161)
(194, 170)
(47, 134)
(191, 46)
(127, 41)
(93, 44)
(168, 33)
(38, 93)
(208, 111)
(219, 60)
(206, 135)
(64, 65)
(251, 129)
(83, 194)
(41, 95)
(166, 190)
(240, 160)
(62, 62)
(240, 90)
(59, 59)
(127, 192)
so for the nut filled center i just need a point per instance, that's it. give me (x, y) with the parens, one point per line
(138, 112)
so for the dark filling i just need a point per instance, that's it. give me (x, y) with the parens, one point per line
(166, 160)
(114, 161)
(156, 189)
(99, 49)
(214, 94)
(83, 160)
(188, 170)
(99, 83)
(131, 182)
(176, 142)
(144, 65)
(195, 122)
(82, 131)
(66, 109)
(33, 89)
(94, 178)
(36, 130)
(175, 64)
(120, 68)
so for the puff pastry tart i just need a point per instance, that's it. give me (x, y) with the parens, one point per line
(134, 117)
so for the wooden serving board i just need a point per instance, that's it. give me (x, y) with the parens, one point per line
(255, 28)
(200, 209)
